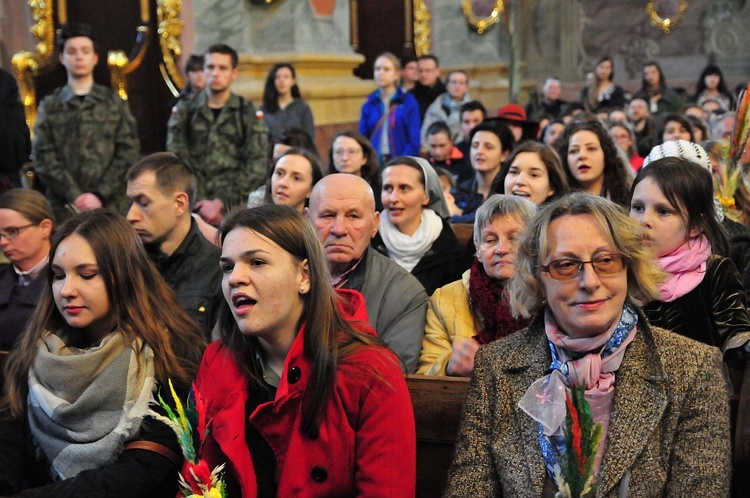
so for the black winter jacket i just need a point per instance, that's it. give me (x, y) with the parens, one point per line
(713, 313)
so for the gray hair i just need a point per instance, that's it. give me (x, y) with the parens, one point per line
(501, 205)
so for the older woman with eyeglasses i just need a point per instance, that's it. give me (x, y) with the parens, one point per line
(590, 399)
(26, 225)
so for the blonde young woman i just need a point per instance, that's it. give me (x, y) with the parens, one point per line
(390, 118)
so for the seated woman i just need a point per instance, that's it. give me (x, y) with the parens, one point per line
(108, 332)
(653, 404)
(674, 127)
(295, 172)
(623, 134)
(593, 163)
(26, 227)
(491, 142)
(415, 232)
(602, 94)
(711, 84)
(352, 153)
(661, 99)
(532, 171)
(289, 138)
(304, 397)
(467, 313)
(737, 233)
(703, 298)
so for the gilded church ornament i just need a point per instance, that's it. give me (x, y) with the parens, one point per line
(663, 23)
(26, 64)
(422, 18)
(170, 30)
(488, 15)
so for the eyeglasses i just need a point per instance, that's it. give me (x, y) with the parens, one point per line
(568, 269)
(13, 232)
(348, 152)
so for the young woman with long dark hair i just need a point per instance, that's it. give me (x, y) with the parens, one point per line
(107, 333)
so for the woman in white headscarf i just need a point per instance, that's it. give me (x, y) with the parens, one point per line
(415, 231)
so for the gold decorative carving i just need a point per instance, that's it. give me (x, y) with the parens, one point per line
(117, 62)
(485, 23)
(666, 24)
(120, 64)
(170, 30)
(422, 33)
(26, 64)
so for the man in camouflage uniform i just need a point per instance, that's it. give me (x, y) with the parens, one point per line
(221, 138)
(84, 138)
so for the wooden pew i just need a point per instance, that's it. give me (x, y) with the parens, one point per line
(464, 234)
(740, 404)
(438, 405)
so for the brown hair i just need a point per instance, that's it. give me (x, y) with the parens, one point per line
(329, 338)
(142, 303)
(171, 172)
(31, 204)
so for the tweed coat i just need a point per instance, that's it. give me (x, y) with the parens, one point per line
(668, 434)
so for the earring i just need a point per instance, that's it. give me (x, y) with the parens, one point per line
(302, 290)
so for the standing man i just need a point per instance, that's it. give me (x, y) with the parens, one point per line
(342, 209)
(644, 126)
(221, 136)
(429, 87)
(161, 189)
(84, 138)
(409, 73)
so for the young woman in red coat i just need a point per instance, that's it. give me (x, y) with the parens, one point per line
(304, 399)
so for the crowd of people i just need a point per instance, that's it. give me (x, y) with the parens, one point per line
(603, 277)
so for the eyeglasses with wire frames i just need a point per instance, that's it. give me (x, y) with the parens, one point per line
(570, 268)
(13, 232)
(348, 152)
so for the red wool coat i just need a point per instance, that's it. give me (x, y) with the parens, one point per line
(367, 441)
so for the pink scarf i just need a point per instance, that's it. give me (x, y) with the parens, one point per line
(590, 370)
(686, 267)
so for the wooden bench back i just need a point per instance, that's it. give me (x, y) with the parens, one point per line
(464, 233)
(438, 404)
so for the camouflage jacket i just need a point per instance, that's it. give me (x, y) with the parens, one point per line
(84, 146)
(228, 154)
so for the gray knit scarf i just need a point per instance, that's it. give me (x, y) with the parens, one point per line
(84, 404)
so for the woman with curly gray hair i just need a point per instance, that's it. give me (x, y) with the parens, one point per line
(590, 380)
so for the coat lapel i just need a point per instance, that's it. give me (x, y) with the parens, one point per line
(639, 404)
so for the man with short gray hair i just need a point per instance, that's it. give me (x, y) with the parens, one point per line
(342, 209)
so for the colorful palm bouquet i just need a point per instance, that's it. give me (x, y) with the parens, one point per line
(732, 173)
(576, 476)
(191, 428)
